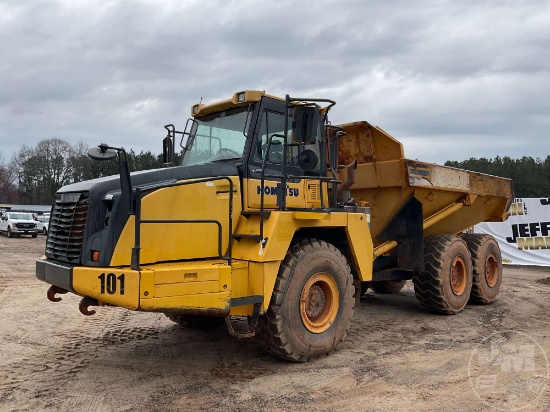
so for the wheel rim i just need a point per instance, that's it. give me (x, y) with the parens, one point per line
(458, 275)
(491, 270)
(319, 302)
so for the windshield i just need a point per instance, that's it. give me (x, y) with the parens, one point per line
(20, 216)
(217, 137)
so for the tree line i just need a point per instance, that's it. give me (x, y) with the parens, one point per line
(531, 176)
(34, 174)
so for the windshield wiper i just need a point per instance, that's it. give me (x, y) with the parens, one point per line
(230, 159)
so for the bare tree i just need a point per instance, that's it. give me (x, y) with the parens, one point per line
(42, 170)
(8, 190)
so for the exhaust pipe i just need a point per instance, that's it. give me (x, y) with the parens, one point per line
(351, 168)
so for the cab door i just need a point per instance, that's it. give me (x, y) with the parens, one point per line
(271, 125)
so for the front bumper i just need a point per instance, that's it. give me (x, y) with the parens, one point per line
(55, 274)
(201, 287)
(114, 286)
(24, 231)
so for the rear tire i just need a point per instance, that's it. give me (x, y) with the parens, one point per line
(44, 232)
(487, 268)
(387, 287)
(445, 284)
(312, 303)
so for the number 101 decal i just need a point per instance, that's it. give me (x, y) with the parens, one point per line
(110, 283)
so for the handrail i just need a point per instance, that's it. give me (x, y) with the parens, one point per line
(140, 192)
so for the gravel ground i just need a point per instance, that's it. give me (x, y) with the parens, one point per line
(396, 355)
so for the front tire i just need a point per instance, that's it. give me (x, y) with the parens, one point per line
(445, 284)
(312, 303)
(10, 234)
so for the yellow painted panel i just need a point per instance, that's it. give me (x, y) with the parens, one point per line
(262, 280)
(179, 241)
(240, 287)
(239, 282)
(189, 288)
(119, 287)
(311, 215)
(225, 278)
(296, 194)
(256, 278)
(360, 243)
(203, 301)
(147, 284)
(180, 275)
(279, 229)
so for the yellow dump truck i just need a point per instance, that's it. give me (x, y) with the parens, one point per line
(275, 221)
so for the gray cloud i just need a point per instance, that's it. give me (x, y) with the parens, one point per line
(451, 80)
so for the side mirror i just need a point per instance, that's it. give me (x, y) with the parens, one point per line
(102, 152)
(167, 151)
(305, 124)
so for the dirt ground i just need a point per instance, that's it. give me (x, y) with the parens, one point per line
(396, 356)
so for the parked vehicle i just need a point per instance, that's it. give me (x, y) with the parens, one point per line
(42, 222)
(17, 224)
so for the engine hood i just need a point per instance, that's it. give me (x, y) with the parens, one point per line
(155, 176)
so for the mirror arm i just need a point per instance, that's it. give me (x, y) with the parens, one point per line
(107, 152)
(125, 182)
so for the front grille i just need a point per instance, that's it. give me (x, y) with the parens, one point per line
(66, 230)
(24, 225)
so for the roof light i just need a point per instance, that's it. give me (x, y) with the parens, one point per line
(241, 97)
(196, 108)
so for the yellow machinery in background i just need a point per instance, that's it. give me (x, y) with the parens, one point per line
(274, 220)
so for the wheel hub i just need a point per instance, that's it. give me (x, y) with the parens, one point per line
(458, 276)
(319, 302)
(315, 301)
(491, 270)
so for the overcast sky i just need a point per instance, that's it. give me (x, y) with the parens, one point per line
(449, 79)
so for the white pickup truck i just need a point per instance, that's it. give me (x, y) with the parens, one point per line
(17, 224)
(42, 223)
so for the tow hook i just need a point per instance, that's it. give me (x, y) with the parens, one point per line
(53, 290)
(84, 303)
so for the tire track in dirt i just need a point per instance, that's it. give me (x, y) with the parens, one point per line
(60, 358)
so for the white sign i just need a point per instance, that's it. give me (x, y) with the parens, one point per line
(524, 238)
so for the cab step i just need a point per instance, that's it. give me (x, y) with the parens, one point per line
(255, 213)
(239, 236)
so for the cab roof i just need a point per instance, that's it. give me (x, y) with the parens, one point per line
(242, 98)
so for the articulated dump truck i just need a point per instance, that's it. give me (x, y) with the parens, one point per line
(276, 221)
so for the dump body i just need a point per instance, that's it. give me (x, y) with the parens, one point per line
(387, 180)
